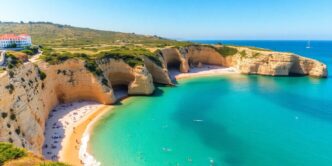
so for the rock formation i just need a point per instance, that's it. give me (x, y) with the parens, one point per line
(27, 97)
(26, 100)
(172, 57)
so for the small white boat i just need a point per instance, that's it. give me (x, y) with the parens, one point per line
(309, 44)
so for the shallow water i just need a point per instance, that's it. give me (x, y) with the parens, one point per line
(227, 120)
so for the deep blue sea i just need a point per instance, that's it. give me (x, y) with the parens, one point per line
(233, 120)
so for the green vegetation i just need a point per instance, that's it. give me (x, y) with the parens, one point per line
(2, 69)
(155, 59)
(183, 44)
(32, 50)
(11, 74)
(254, 55)
(10, 88)
(9, 152)
(226, 50)
(12, 116)
(131, 60)
(52, 164)
(11, 155)
(41, 74)
(130, 55)
(4, 115)
(12, 61)
(243, 53)
(258, 49)
(92, 66)
(56, 35)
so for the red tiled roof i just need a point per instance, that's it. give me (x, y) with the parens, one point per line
(12, 37)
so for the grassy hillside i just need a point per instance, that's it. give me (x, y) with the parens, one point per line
(56, 35)
(14, 156)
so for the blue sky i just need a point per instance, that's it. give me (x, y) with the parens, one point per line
(185, 19)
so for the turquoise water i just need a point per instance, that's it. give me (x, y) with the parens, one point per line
(228, 120)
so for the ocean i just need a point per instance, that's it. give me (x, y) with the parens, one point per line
(233, 120)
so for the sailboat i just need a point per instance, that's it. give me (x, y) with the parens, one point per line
(309, 44)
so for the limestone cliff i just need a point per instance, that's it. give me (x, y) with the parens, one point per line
(172, 56)
(248, 61)
(159, 73)
(27, 97)
(138, 79)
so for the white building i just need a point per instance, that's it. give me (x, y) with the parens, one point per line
(10, 40)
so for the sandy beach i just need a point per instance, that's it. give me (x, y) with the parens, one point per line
(65, 128)
(205, 70)
(69, 126)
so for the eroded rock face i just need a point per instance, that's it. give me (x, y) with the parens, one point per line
(202, 54)
(172, 56)
(159, 73)
(251, 61)
(138, 79)
(26, 100)
(278, 64)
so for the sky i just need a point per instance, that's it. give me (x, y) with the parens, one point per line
(185, 19)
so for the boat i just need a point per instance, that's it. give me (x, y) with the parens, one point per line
(309, 44)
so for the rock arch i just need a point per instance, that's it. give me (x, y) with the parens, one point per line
(204, 55)
(136, 80)
(174, 59)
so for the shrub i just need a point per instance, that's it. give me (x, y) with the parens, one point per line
(11, 74)
(92, 66)
(243, 53)
(9, 152)
(256, 55)
(12, 61)
(4, 115)
(258, 49)
(104, 81)
(154, 58)
(10, 88)
(18, 131)
(131, 59)
(28, 52)
(227, 50)
(41, 74)
(53, 164)
(12, 116)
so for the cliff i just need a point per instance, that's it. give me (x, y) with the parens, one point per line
(26, 99)
(27, 96)
(245, 60)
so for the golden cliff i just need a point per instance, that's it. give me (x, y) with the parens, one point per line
(245, 60)
(26, 98)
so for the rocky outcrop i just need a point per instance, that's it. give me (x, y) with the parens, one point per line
(138, 79)
(172, 57)
(202, 54)
(277, 64)
(26, 98)
(251, 61)
(159, 73)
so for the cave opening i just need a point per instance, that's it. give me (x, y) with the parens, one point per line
(120, 83)
(174, 65)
